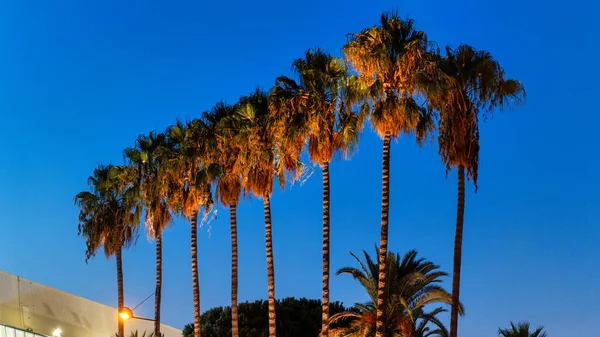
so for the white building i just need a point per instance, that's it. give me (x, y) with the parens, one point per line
(29, 309)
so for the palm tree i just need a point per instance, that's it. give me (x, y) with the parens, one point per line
(146, 157)
(223, 148)
(465, 84)
(109, 217)
(429, 324)
(189, 187)
(413, 286)
(309, 110)
(521, 330)
(256, 129)
(387, 58)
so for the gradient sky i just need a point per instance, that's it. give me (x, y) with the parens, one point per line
(79, 80)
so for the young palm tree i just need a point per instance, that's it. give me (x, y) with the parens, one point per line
(387, 58)
(256, 129)
(109, 217)
(521, 330)
(223, 148)
(189, 187)
(310, 110)
(146, 157)
(465, 84)
(413, 285)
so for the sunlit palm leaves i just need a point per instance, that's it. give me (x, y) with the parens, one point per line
(465, 85)
(146, 158)
(109, 213)
(386, 58)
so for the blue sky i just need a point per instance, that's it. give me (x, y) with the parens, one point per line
(79, 80)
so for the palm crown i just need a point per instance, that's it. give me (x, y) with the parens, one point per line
(109, 213)
(146, 157)
(189, 181)
(521, 330)
(465, 83)
(226, 149)
(413, 284)
(255, 128)
(387, 57)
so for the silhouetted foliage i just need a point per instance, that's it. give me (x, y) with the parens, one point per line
(521, 330)
(295, 318)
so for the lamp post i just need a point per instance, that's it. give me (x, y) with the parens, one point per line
(126, 314)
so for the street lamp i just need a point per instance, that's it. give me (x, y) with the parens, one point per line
(57, 333)
(127, 314)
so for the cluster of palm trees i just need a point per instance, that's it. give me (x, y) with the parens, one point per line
(391, 74)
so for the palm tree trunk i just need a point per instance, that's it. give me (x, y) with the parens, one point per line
(195, 281)
(234, 270)
(270, 267)
(325, 286)
(121, 323)
(383, 240)
(460, 214)
(158, 283)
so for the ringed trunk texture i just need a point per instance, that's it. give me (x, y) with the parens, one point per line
(195, 281)
(270, 266)
(460, 213)
(158, 283)
(234, 270)
(121, 323)
(325, 286)
(383, 240)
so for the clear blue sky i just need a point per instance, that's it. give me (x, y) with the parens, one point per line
(79, 80)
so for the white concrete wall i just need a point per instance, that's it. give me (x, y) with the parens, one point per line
(28, 305)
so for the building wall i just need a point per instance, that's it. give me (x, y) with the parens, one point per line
(28, 305)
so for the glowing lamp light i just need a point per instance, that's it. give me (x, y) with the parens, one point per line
(57, 333)
(125, 314)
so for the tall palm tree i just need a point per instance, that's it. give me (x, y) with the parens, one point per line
(256, 129)
(465, 84)
(412, 287)
(224, 147)
(309, 110)
(387, 58)
(521, 330)
(189, 187)
(146, 157)
(109, 217)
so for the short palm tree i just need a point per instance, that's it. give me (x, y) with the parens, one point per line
(253, 121)
(413, 286)
(109, 217)
(387, 57)
(146, 158)
(521, 330)
(313, 109)
(189, 187)
(465, 84)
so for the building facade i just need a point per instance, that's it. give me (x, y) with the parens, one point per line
(29, 309)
